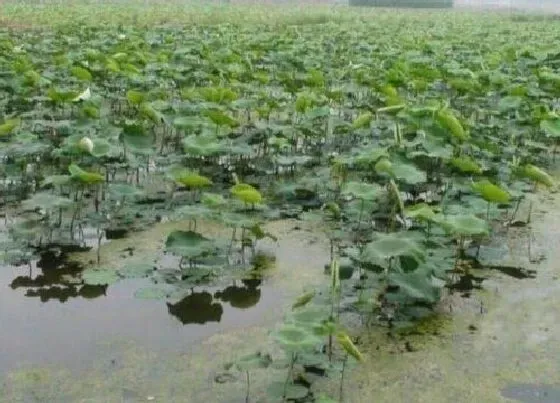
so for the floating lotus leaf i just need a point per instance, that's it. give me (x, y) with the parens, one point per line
(296, 338)
(291, 392)
(136, 270)
(99, 277)
(253, 361)
(188, 243)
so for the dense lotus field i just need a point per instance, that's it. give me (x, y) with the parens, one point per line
(410, 140)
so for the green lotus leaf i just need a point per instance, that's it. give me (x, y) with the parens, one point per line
(81, 74)
(188, 243)
(46, 201)
(537, 175)
(192, 180)
(362, 190)
(253, 361)
(464, 225)
(9, 126)
(220, 118)
(466, 164)
(280, 392)
(136, 270)
(491, 192)
(84, 177)
(296, 338)
(551, 127)
(99, 277)
(421, 212)
(388, 246)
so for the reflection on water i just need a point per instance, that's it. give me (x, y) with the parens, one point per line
(202, 307)
(96, 315)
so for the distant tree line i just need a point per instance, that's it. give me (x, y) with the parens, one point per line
(404, 3)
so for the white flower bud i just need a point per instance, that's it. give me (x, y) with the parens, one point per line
(86, 144)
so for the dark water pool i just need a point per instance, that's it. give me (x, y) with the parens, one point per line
(45, 321)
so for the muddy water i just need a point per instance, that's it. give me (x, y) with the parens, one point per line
(500, 345)
(107, 346)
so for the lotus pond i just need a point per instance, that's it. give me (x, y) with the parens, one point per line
(271, 204)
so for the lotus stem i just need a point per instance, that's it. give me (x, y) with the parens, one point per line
(341, 388)
(248, 387)
(290, 371)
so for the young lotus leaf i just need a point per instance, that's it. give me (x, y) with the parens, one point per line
(537, 175)
(296, 338)
(362, 190)
(388, 246)
(249, 196)
(9, 126)
(220, 118)
(349, 347)
(490, 192)
(421, 212)
(84, 177)
(188, 244)
(449, 121)
(464, 225)
(362, 120)
(192, 180)
(384, 166)
(303, 299)
(99, 277)
(135, 97)
(551, 127)
(466, 164)
(81, 74)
